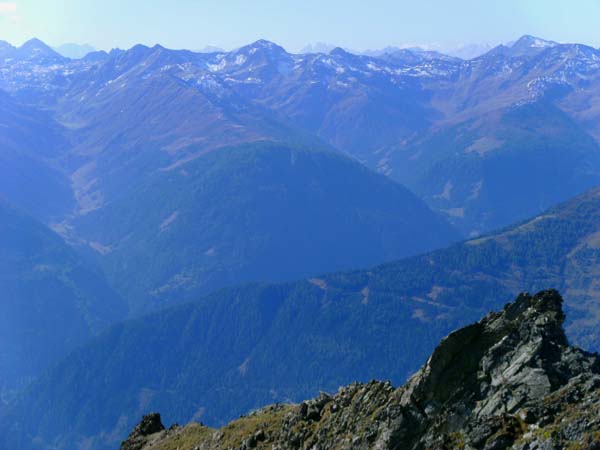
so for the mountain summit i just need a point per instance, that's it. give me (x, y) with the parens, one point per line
(530, 45)
(36, 50)
(533, 42)
(508, 381)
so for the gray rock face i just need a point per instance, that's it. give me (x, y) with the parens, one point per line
(150, 424)
(480, 377)
(508, 381)
(503, 361)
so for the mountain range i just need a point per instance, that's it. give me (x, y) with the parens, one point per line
(463, 51)
(447, 128)
(133, 183)
(241, 348)
(149, 178)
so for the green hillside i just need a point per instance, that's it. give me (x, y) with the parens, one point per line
(501, 167)
(245, 347)
(265, 211)
(51, 301)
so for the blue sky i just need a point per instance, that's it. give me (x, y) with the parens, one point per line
(365, 24)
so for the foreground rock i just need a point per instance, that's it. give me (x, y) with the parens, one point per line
(508, 381)
(149, 426)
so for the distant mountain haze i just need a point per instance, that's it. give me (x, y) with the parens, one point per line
(382, 110)
(447, 128)
(74, 51)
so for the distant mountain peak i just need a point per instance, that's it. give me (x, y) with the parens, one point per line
(525, 46)
(36, 44)
(530, 45)
(37, 49)
(532, 42)
(137, 51)
(139, 47)
(263, 43)
(339, 51)
(263, 46)
(34, 41)
(99, 55)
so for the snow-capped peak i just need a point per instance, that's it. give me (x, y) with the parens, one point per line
(533, 42)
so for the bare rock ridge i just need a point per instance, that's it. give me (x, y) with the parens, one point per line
(510, 381)
(150, 425)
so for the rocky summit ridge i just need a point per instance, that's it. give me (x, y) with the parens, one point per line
(509, 381)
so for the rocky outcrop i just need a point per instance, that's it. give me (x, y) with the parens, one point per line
(508, 381)
(150, 425)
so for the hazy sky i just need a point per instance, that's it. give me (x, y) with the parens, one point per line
(364, 24)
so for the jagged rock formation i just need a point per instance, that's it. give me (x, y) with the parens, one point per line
(150, 425)
(508, 381)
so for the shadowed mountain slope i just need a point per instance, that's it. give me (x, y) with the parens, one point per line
(254, 212)
(50, 300)
(242, 348)
(30, 176)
